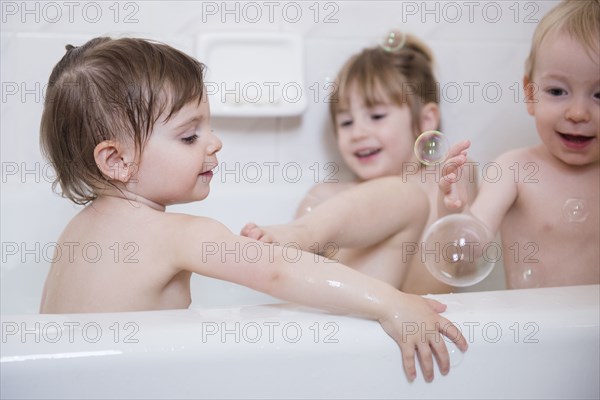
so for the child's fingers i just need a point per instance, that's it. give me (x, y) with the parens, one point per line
(408, 360)
(425, 356)
(452, 203)
(449, 330)
(255, 233)
(440, 352)
(455, 205)
(445, 184)
(454, 164)
(247, 228)
(452, 199)
(459, 148)
(436, 305)
(407, 348)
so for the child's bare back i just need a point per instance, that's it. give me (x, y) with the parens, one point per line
(121, 260)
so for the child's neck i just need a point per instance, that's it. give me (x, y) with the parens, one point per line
(130, 197)
(575, 169)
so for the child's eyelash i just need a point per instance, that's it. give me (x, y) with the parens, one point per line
(555, 91)
(189, 139)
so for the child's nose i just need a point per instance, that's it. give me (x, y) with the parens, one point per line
(360, 130)
(578, 111)
(214, 145)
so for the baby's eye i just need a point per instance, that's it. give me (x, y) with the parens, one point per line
(345, 123)
(190, 139)
(597, 95)
(556, 91)
(378, 116)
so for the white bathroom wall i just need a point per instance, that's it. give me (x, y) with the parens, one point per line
(480, 47)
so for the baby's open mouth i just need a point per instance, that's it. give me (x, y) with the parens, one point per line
(579, 139)
(366, 153)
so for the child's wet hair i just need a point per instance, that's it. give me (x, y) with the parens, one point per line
(110, 89)
(403, 76)
(580, 19)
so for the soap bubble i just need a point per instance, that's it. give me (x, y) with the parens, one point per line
(458, 250)
(574, 210)
(431, 147)
(394, 41)
(527, 275)
(530, 274)
(530, 278)
(455, 354)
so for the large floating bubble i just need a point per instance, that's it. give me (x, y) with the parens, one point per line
(458, 250)
(431, 147)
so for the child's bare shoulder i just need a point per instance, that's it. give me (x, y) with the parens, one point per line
(524, 154)
(326, 190)
(194, 226)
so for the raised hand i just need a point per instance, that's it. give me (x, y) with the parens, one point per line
(454, 195)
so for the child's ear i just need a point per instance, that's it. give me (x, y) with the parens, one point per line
(111, 158)
(430, 117)
(529, 89)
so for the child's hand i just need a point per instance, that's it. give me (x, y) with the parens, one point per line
(283, 235)
(454, 195)
(417, 328)
(256, 232)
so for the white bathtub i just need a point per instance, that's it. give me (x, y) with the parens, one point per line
(537, 343)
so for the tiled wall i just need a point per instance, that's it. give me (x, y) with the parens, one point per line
(480, 47)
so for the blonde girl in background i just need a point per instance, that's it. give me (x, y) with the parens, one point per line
(384, 99)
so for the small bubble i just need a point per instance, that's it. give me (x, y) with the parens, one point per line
(575, 210)
(431, 147)
(456, 356)
(531, 278)
(327, 78)
(394, 41)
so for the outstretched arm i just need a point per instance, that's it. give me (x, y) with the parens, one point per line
(316, 282)
(453, 193)
(496, 197)
(361, 216)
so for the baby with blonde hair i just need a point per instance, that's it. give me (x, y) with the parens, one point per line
(548, 214)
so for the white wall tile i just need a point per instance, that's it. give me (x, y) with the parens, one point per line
(482, 102)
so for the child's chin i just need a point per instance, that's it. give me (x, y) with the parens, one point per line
(579, 160)
(367, 176)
